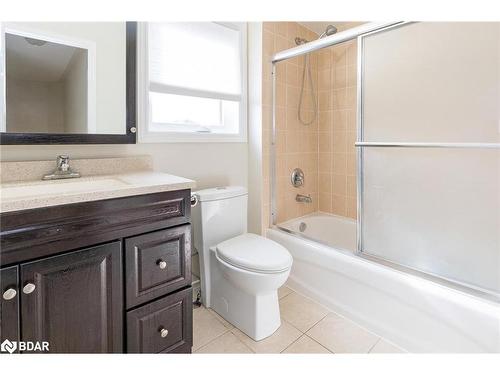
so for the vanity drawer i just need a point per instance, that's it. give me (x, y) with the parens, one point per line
(163, 326)
(157, 263)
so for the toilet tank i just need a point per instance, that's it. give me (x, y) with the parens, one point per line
(221, 213)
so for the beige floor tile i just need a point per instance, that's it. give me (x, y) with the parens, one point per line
(221, 319)
(306, 345)
(340, 335)
(300, 311)
(206, 327)
(227, 343)
(384, 346)
(276, 343)
(284, 291)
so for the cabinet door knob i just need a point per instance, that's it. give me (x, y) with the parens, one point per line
(9, 294)
(163, 333)
(162, 264)
(29, 288)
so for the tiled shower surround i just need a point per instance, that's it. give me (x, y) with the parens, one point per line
(324, 150)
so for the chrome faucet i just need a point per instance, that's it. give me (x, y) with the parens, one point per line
(303, 198)
(63, 170)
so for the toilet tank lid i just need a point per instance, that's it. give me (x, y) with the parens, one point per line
(221, 192)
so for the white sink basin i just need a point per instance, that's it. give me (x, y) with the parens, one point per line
(58, 187)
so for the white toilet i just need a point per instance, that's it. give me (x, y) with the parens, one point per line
(240, 272)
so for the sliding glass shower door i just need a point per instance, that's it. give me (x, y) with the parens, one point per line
(428, 150)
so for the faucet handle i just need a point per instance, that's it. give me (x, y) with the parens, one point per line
(63, 162)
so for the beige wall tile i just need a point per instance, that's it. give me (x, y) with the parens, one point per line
(324, 79)
(282, 29)
(339, 55)
(323, 149)
(351, 164)
(339, 120)
(325, 121)
(268, 26)
(291, 30)
(352, 207)
(351, 186)
(351, 75)
(339, 77)
(339, 205)
(325, 202)
(351, 53)
(339, 184)
(324, 162)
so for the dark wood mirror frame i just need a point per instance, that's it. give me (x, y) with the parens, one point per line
(131, 111)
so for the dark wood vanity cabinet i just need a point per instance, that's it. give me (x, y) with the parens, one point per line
(106, 276)
(9, 304)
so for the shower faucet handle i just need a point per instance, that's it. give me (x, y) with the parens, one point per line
(297, 177)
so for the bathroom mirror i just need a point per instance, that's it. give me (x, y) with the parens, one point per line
(67, 82)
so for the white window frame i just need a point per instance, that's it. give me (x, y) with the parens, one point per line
(144, 115)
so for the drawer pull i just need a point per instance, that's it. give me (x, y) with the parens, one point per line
(162, 264)
(29, 288)
(163, 332)
(9, 294)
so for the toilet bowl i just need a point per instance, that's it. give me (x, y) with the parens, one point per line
(244, 287)
(240, 272)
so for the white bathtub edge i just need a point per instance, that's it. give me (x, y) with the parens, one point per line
(416, 314)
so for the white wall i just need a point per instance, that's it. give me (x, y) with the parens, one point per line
(75, 94)
(34, 106)
(210, 164)
(108, 38)
(255, 127)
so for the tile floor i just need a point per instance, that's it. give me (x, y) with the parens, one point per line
(306, 327)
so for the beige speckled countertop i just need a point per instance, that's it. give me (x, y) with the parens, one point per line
(27, 193)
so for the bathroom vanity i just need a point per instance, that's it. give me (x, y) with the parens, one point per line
(99, 264)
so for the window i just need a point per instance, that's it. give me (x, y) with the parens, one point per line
(193, 82)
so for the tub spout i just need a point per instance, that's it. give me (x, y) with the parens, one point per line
(303, 198)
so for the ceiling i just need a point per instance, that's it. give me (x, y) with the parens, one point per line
(46, 63)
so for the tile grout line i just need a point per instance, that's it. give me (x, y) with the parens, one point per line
(320, 344)
(343, 317)
(215, 338)
(298, 338)
(253, 351)
(374, 345)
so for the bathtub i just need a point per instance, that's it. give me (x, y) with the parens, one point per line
(416, 313)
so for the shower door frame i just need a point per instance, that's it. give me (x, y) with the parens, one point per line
(360, 33)
(361, 144)
(303, 49)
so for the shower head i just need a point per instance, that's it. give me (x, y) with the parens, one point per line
(330, 30)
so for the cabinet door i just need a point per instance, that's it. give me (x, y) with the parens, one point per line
(75, 301)
(9, 305)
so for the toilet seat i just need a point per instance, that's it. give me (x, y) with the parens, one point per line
(254, 253)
